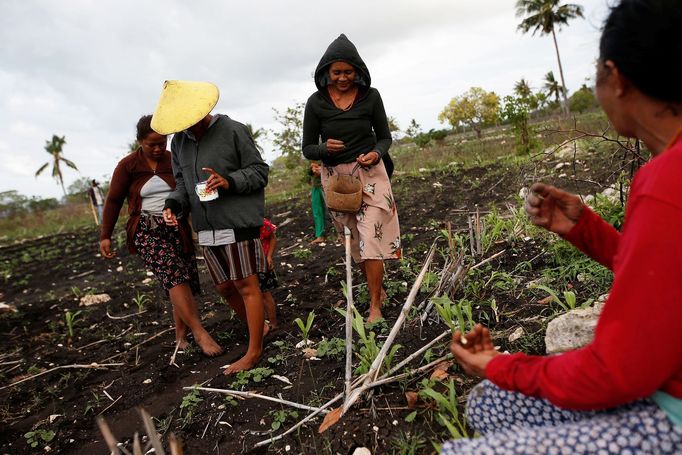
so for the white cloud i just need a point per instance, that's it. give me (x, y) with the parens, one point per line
(87, 69)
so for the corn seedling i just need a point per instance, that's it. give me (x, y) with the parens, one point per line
(569, 301)
(305, 328)
(70, 319)
(141, 300)
(448, 413)
(188, 405)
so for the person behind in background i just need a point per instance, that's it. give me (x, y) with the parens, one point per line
(345, 124)
(221, 179)
(318, 205)
(268, 279)
(621, 393)
(145, 179)
(97, 199)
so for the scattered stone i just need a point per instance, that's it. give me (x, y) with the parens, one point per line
(572, 330)
(4, 308)
(437, 185)
(523, 192)
(119, 268)
(147, 381)
(94, 299)
(146, 281)
(516, 334)
(363, 450)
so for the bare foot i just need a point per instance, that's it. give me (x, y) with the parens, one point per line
(266, 329)
(318, 240)
(207, 344)
(374, 315)
(384, 296)
(245, 363)
(182, 344)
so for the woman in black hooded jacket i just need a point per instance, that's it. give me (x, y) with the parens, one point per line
(345, 124)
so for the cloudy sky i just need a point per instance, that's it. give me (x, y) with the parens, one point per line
(88, 69)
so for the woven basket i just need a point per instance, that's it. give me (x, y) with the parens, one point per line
(343, 193)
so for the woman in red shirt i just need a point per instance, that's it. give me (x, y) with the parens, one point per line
(622, 393)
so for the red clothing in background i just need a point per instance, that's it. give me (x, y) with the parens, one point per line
(266, 232)
(637, 348)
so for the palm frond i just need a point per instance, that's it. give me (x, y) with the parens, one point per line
(42, 168)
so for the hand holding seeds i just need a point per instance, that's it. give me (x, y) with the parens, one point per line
(552, 208)
(474, 350)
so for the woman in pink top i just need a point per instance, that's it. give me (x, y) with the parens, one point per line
(622, 393)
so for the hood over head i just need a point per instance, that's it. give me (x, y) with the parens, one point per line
(341, 50)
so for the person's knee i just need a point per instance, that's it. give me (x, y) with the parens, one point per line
(248, 287)
(226, 289)
(478, 404)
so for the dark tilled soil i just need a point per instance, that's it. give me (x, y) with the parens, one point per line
(46, 277)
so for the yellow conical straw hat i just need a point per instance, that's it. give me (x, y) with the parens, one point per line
(183, 104)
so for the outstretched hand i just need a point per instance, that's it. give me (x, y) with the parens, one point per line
(105, 248)
(476, 352)
(552, 208)
(215, 180)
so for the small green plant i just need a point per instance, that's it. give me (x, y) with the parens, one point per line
(279, 416)
(408, 444)
(369, 349)
(334, 348)
(255, 374)
(302, 253)
(569, 301)
(448, 413)
(141, 300)
(429, 282)
(305, 328)
(39, 436)
(189, 404)
(452, 313)
(70, 319)
(225, 336)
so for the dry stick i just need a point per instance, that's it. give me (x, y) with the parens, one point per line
(108, 407)
(108, 436)
(139, 344)
(485, 261)
(383, 380)
(471, 236)
(175, 446)
(126, 316)
(478, 232)
(417, 353)
(92, 365)
(378, 361)
(137, 447)
(151, 432)
(349, 315)
(172, 360)
(240, 394)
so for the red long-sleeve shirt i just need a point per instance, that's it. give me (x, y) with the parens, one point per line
(637, 348)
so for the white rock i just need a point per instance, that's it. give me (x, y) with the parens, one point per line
(147, 381)
(4, 308)
(423, 169)
(146, 281)
(150, 273)
(119, 268)
(362, 450)
(572, 330)
(516, 334)
(559, 166)
(523, 192)
(94, 299)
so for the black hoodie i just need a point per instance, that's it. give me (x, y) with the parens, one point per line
(363, 128)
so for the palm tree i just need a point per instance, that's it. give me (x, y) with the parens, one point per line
(54, 148)
(256, 134)
(552, 86)
(522, 89)
(546, 16)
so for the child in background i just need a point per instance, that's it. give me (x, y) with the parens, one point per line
(268, 280)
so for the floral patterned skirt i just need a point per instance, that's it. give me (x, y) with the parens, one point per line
(160, 247)
(375, 230)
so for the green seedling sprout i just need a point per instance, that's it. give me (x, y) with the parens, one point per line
(70, 319)
(305, 328)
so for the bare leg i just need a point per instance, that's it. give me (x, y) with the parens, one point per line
(229, 292)
(185, 309)
(374, 272)
(255, 318)
(270, 309)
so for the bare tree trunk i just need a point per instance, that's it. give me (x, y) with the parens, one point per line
(561, 73)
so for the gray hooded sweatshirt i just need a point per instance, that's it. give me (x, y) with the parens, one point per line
(227, 148)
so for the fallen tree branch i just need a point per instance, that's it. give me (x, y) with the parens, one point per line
(62, 367)
(349, 316)
(139, 344)
(239, 393)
